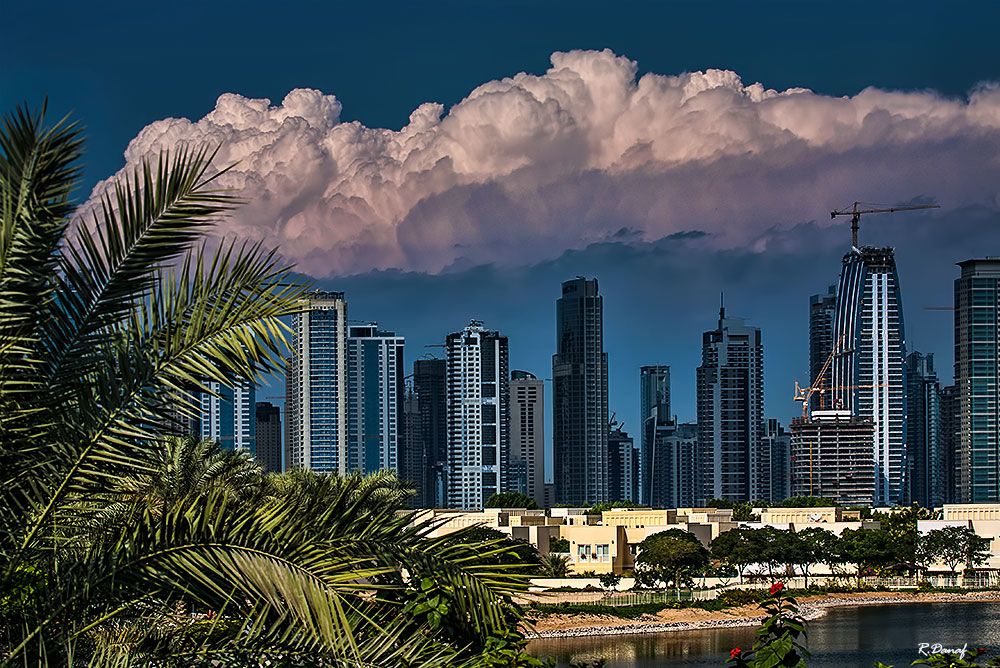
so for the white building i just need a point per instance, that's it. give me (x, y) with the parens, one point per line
(478, 416)
(227, 415)
(375, 398)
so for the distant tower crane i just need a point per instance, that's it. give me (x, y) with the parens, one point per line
(855, 213)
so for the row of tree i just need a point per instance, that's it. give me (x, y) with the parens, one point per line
(675, 556)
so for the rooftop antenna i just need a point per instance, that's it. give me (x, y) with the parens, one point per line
(722, 306)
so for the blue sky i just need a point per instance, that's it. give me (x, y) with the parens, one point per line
(661, 261)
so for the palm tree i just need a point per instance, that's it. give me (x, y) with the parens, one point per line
(107, 320)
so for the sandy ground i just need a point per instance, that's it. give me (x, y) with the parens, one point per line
(811, 607)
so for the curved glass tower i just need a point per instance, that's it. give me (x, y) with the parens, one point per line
(868, 373)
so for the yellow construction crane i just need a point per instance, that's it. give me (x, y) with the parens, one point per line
(855, 213)
(805, 394)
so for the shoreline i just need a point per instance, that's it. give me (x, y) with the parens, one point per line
(810, 608)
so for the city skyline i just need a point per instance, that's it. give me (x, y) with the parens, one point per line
(648, 231)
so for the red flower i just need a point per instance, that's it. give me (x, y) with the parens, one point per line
(735, 652)
(776, 587)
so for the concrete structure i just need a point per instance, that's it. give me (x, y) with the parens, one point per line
(478, 410)
(831, 456)
(730, 397)
(226, 415)
(580, 396)
(316, 386)
(267, 418)
(822, 310)
(869, 382)
(623, 465)
(977, 379)
(654, 414)
(427, 457)
(949, 437)
(927, 460)
(375, 393)
(527, 435)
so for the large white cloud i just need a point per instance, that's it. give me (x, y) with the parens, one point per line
(527, 167)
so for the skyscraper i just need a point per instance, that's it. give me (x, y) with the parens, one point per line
(316, 385)
(268, 420)
(776, 445)
(977, 382)
(623, 464)
(654, 413)
(227, 415)
(429, 388)
(832, 457)
(869, 381)
(527, 435)
(730, 397)
(928, 477)
(822, 312)
(478, 415)
(950, 437)
(580, 396)
(673, 477)
(375, 393)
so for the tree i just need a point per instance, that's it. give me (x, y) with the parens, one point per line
(956, 545)
(808, 547)
(555, 565)
(599, 508)
(609, 580)
(867, 548)
(511, 500)
(806, 502)
(670, 557)
(734, 548)
(558, 545)
(110, 324)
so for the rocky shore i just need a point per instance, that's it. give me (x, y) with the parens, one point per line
(692, 619)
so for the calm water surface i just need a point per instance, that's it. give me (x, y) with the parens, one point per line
(844, 638)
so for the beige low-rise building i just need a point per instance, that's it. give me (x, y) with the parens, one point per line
(801, 515)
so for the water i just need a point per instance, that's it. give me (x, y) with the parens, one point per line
(844, 638)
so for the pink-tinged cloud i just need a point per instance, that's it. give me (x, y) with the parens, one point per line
(527, 167)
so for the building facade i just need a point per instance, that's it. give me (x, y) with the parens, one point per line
(928, 476)
(375, 392)
(730, 397)
(316, 386)
(527, 435)
(776, 458)
(673, 475)
(822, 312)
(267, 418)
(478, 411)
(430, 442)
(869, 381)
(950, 437)
(832, 457)
(580, 396)
(654, 418)
(226, 415)
(623, 465)
(977, 318)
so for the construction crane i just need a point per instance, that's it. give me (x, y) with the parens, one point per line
(805, 394)
(855, 213)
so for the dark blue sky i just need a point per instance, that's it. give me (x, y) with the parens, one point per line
(120, 66)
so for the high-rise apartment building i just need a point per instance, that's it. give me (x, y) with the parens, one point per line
(869, 380)
(227, 415)
(430, 442)
(527, 435)
(478, 411)
(730, 397)
(928, 477)
(977, 381)
(654, 415)
(950, 437)
(580, 396)
(832, 457)
(316, 385)
(375, 392)
(623, 464)
(267, 417)
(672, 476)
(822, 312)
(776, 445)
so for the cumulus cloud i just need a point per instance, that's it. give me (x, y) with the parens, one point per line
(530, 166)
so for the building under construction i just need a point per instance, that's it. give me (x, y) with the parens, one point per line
(832, 457)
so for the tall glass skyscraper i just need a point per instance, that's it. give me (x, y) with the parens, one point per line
(478, 399)
(928, 475)
(730, 397)
(580, 396)
(527, 435)
(316, 386)
(869, 381)
(375, 392)
(977, 317)
(430, 442)
(655, 423)
(822, 312)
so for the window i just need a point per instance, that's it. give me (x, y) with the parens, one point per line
(603, 553)
(583, 553)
